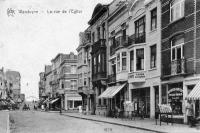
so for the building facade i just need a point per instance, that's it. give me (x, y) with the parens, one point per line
(84, 71)
(99, 28)
(180, 52)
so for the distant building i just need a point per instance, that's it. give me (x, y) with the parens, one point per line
(14, 83)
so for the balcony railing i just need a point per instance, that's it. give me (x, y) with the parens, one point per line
(121, 42)
(98, 76)
(112, 78)
(176, 67)
(141, 38)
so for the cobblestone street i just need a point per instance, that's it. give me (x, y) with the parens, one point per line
(42, 122)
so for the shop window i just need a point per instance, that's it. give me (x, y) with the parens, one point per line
(176, 9)
(131, 61)
(140, 30)
(118, 62)
(124, 61)
(154, 19)
(153, 56)
(140, 59)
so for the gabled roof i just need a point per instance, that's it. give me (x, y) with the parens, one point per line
(99, 10)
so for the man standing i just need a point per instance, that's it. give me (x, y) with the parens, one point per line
(190, 113)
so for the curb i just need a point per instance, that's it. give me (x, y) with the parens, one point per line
(8, 124)
(119, 124)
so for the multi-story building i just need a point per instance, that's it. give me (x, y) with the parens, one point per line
(13, 81)
(41, 85)
(180, 53)
(3, 88)
(60, 82)
(98, 26)
(119, 40)
(84, 71)
(144, 55)
(68, 81)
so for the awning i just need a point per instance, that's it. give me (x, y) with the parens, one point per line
(195, 93)
(45, 101)
(53, 101)
(110, 92)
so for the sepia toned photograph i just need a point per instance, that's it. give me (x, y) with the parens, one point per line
(100, 66)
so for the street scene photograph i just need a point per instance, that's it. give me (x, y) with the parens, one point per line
(100, 66)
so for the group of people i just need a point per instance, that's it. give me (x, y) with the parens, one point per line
(192, 120)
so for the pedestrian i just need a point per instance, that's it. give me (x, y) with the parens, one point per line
(190, 113)
(142, 111)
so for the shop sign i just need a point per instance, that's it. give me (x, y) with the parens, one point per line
(175, 92)
(136, 77)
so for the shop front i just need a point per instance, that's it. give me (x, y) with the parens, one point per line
(116, 96)
(172, 93)
(141, 100)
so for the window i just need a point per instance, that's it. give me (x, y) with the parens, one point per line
(154, 19)
(118, 62)
(93, 37)
(98, 33)
(73, 69)
(73, 84)
(99, 63)
(94, 65)
(177, 47)
(66, 69)
(124, 34)
(80, 79)
(103, 62)
(85, 81)
(176, 9)
(131, 61)
(140, 59)
(140, 30)
(113, 66)
(123, 60)
(63, 86)
(153, 56)
(79, 57)
(103, 31)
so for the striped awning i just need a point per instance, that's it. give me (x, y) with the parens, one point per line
(110, 92)
(195, 93)
(53, 101)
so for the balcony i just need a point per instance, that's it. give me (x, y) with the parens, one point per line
(176, 67)
(83, 90)
(98, 76)
(69, 76)
(112, 78)
(141, 38)
(101, 43)
(121, 42)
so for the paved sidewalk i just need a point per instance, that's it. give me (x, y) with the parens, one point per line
(146, 124)
(4, 122)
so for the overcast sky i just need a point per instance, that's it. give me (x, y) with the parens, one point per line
(29, 41)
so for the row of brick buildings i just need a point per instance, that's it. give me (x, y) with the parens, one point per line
(143, 51)
(58, 83)
(10, 86)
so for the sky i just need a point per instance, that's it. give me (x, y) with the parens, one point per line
(28, 41)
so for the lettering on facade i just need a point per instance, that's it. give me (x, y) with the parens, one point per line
(137, 77)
